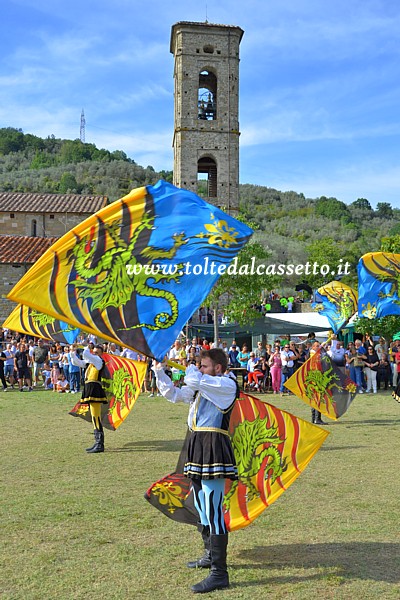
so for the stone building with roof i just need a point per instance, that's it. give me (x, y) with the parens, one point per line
(29, 225)
(45, 215)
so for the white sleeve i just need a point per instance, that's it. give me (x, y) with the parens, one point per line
(92, 358)
(192, 377)
(220, 390)
(169, 391)
(77, 362)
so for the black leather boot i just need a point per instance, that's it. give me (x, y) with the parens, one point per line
(218, 578)
(98, 445)
(205, 561)
(318, 420)
(313, 412)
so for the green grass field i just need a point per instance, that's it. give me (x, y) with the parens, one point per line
(76, 526)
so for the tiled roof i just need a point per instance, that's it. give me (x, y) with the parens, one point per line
(50, 203)
(22, 248)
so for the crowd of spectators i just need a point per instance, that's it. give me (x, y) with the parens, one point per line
(263, 368)
(372, 365)
(28, 362)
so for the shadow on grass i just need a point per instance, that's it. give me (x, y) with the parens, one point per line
(335, 448)
(377, 422)
(378, 561)
(155, 445)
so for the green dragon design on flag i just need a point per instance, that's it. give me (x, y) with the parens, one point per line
(249, 441)
(40, 319)
(317, 383)
(120, 386)
(107, 282)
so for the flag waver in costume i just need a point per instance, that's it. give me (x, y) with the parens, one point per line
(122, 381)
(135, 272)
(112, 385)
(322, 385)
(337, 301)
(209, 461)
(27, 320)
(272, 448)
(378, 285)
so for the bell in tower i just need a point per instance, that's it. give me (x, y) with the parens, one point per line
(206, 103)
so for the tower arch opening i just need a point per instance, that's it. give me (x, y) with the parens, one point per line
(207, 177)
(207, 96)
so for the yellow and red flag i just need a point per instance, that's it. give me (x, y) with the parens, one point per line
(122, 380)
(321, 384)
(272, 448)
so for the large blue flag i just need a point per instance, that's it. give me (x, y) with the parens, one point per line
(135, 271)
(378, 289)
(337, 301)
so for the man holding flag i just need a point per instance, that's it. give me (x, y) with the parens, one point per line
(93, 392)
(210, 459)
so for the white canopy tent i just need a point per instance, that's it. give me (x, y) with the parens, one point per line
(297, 323)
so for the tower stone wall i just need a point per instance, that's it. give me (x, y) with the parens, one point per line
(206, 134)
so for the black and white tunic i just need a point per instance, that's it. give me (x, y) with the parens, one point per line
(211, 398)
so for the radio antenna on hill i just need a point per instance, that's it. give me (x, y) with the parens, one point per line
(82, 130)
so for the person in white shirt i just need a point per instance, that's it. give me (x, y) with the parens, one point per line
(177, 354)
(62, 384)
(254, 374)
(287, 358)
(381, 348)
(338, 354)
(128, 353)
(9, 364)
(217, 344)
(112, 349)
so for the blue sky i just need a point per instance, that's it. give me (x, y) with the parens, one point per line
(319, 85)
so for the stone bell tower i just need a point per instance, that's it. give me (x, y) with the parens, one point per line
(206, 110)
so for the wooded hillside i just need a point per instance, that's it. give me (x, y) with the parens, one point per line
(293, 228)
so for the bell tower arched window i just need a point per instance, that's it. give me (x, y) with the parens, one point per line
(207, 96)
(34, 228)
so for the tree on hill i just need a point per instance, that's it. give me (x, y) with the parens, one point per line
(68, 184)
(384, 210)
(362, 203)
(329, 256)
(332, 209)
(11, 140)
(395, 230)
